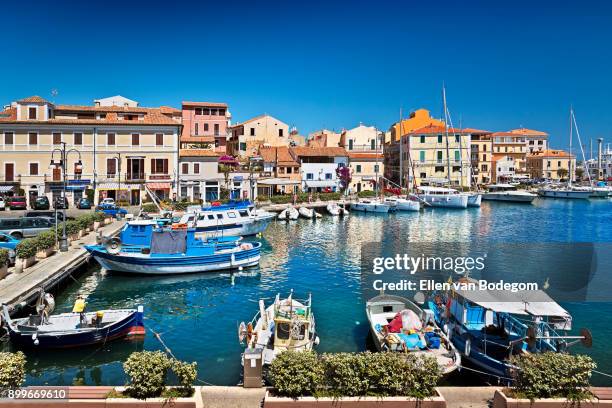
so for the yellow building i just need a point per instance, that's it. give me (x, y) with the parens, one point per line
(264, 130)
(114, 150)
(481, 150)
(364, 147)
(548, 163)
(323, 138)
(509, 155)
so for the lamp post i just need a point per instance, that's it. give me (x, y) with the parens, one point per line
(63, 247)
(118, 158)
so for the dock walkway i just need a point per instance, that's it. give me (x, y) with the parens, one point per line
(24, 286)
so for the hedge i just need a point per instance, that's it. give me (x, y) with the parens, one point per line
(296, 374)
(26, 248)
(366, 193)
(45, 240)
(4, 257)
(12, 370)
(150, 208)
(552, 375)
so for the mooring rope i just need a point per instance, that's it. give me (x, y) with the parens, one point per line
(485, 373)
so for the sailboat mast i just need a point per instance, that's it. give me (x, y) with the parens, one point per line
(401, 162)
(448, 169)
(571, 134)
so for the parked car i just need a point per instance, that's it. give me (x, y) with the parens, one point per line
(17, 203)
(2, 204)
(41, 203)
(46, 214)
(108, 201)
(84, 204)
(112, 210)
(24, 227)
(60, 203)
(10, 243)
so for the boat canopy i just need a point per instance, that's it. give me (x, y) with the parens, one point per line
(533, 302)
(501, 185)
(432, 189)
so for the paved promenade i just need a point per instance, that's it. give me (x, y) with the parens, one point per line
(19, 287)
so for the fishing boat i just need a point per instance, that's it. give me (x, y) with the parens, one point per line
(399, 325)
(306, 212)
(403, 204)
(172, 251)
(442, 197)
(289, 213)
(371, 205)
(508, 193)
(287, 324)
(46, 331)
(236, 218)
(488, 327)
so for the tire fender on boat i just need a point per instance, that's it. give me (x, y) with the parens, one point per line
(468, 347)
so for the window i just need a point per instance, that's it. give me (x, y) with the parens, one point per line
(422, 138)
(540, 142)
(373, 144)
(197, 131)
(185, 168)
(350, 144)
(32, 113)
(110, 139)
(135, 139)
(358, 168)
(559, 164)
(422, 156)
(216, 129)
(242, 147)
(231, 214)
(309, 176)
(159, 139)
(33, 138)
(211, 217)
(78, 138)
(484, 157)
(484, 148)
(439, 156)
(198, 111)
(484, 167)
(111, 167)
(457, 155)
(280, 132)
(8, 138)
(439, 138)
(548, 163)
(376, 168)
(252, 131)
(456, 169)
(33, 169)
(206, 111)
(243, 213)
(439, 169)
(206, 127)
(159, 166)
(219, 216)
(57, 138)
(457, 138)
(531, 142)
(328, 176)
(423, 175)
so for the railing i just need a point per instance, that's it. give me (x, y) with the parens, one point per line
(134, 176)
(160, 177)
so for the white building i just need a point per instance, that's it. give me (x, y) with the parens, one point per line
(318, 167)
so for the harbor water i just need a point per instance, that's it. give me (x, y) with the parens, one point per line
(197, 316)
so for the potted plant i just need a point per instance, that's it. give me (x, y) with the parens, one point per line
(25, 252)
(45, 244)
(4, 261)
(356, 379)
(73, 230)
(98, 220)
(547, 380)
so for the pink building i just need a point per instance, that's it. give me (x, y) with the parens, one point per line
(205, 125)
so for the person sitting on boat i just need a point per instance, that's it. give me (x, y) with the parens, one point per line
(79, 307)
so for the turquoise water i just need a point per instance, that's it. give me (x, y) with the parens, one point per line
(197, 316)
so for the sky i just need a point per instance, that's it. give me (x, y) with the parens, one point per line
(324, 64)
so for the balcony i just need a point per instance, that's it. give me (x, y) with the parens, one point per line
(132, 176)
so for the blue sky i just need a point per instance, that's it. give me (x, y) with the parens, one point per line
(317, 64)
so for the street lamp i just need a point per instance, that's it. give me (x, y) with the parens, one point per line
(118, 158)
(63, 247)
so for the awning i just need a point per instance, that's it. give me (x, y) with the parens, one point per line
(6, 189)
(112, 186)
(320, 183)
(277, 182)
(159, 186)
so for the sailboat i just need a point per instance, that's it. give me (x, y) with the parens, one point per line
(374, 204)
(569, 191)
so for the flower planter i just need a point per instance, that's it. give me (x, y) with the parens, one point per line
(3, 271)
(501, 400)
(96, 225)
(74, 237)
(24, 263)
(271, 401)
(108, 220)
(45, 253)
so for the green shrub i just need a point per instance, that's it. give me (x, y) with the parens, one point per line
(99, 216)
(329, 196)
(45, 240)
(84, 221)
(26, 248)
(294, 373)
(180, 206)
(552, 375)
(186, 374)
(4, 257)
(150, 208)
(73, 227)
(346, 374)
(366, 193)
(12, 370)
(281, 199)
(147, 372)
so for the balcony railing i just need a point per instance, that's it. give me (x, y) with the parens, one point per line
(132, 176)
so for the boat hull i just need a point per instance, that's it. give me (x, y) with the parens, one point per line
(234, 230)
(474, 200)
(567, 194)
(370, 207)
(445, 201)
(507, 197)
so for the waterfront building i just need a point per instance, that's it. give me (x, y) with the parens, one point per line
(600, 167)
(324, 138)
(295, 139)
(205, 125)
(264, 130)
(120, 151)
(281, 172)
(481, 150)
(535, 140)
(364, 147)
(318, 167)
(546, 164)
(509, 155)
(199, 177)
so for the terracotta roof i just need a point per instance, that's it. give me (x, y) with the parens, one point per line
(319, 151)
(280, 154)
(198, 153)
(198, 139)
(33, 99)
(169, 109)
(551, 153)
(256, 118)
(530, 132)
(84, 108)
(360, 155)
(205, 104)
(435, 129)
(505, 134)
(9, 114)
(152, 117)
(476, 131)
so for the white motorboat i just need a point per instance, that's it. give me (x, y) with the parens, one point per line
(509, 193)
(595, 192)
(306, 212)
(399, 325)
(442, 197)
(289, 213)
(287, 324)
(474, 199)
(568, 193)
(333, 209)
(231, 219)
(371, 205)
(403, 204)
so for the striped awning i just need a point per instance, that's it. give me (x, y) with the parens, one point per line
(6, 189)
(112, 186)
(159, 186)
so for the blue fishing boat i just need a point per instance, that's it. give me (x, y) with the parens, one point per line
(46, 331)
(149, 249)
(488, 327)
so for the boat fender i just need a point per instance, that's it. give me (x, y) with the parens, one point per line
(246, 246)
(468, 347)
(317, 341)
(113, 246)
(249, 332)
(242, 331)
(445, 329)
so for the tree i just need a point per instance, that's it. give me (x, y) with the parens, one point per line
(562, 173)
(579, 173)
(344, 175)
